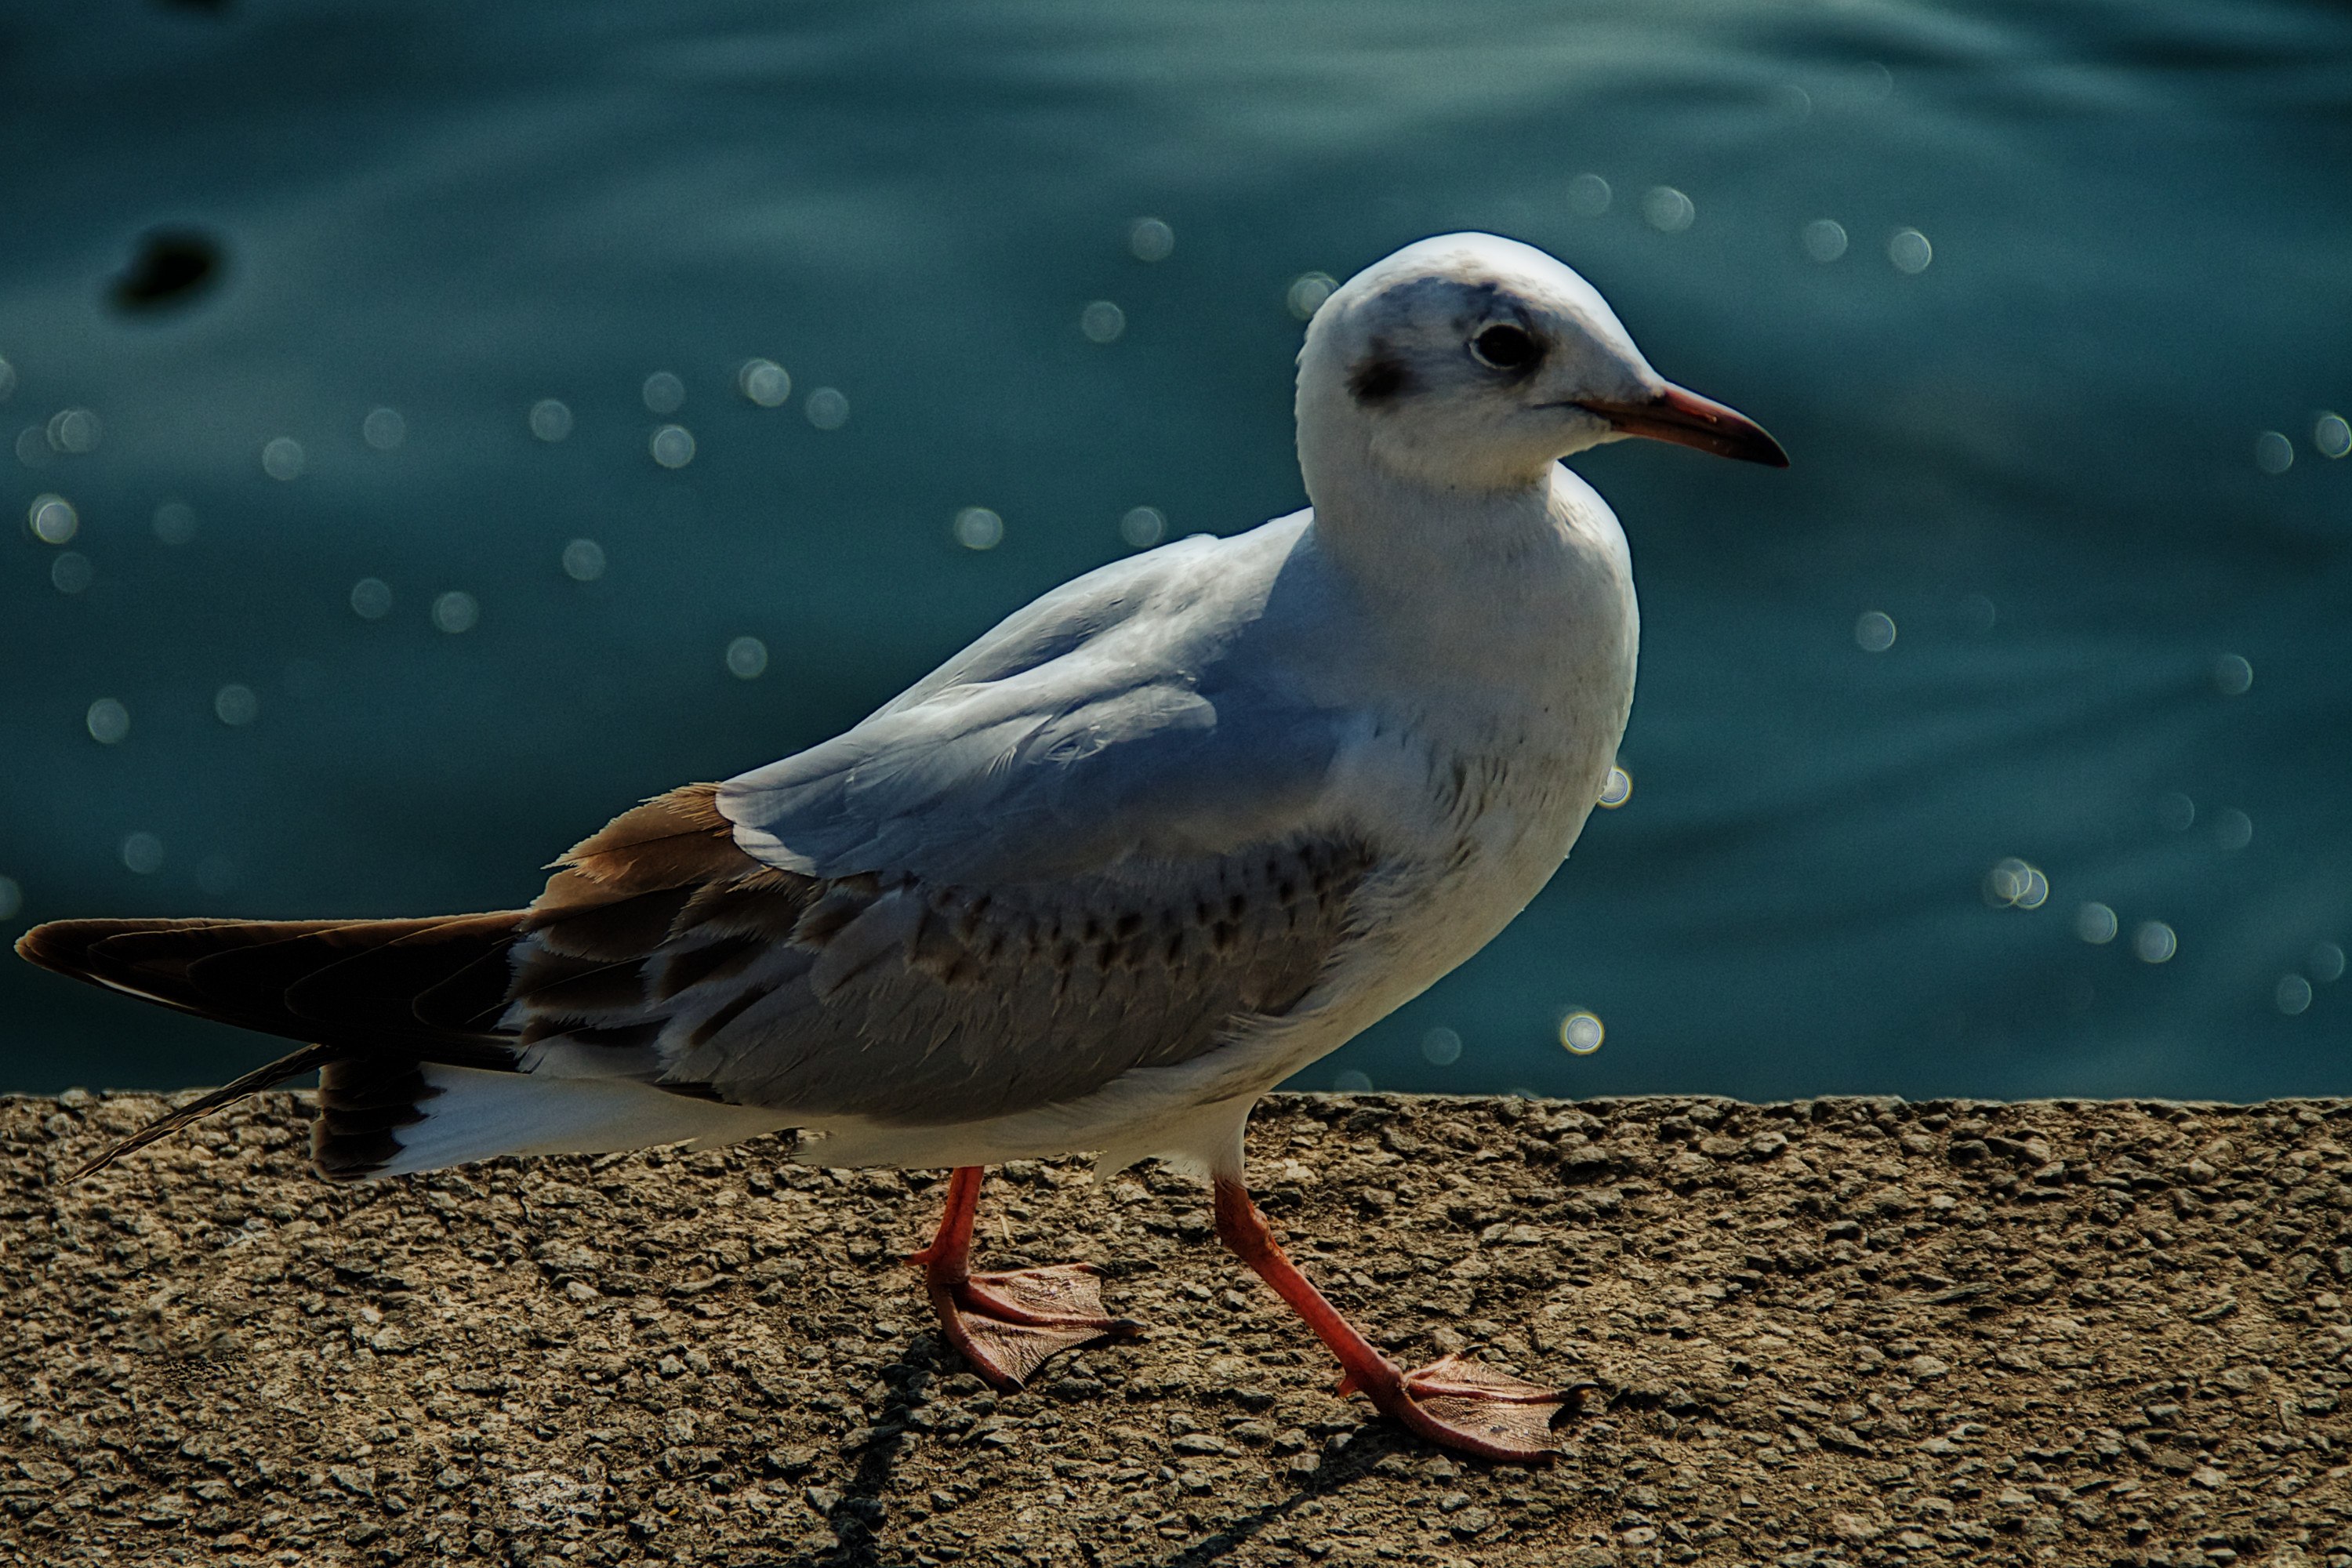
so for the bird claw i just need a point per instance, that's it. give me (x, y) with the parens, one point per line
(1462, 1405)
(1008, 1325)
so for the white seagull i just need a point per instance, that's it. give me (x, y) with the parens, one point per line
(1140, 853)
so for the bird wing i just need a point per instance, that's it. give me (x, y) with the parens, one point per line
(1120, 717)
(1096, 840)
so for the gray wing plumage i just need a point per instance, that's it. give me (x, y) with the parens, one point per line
(1108, 721)
(1090, 842)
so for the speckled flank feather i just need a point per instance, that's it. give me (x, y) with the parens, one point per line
(662, 951)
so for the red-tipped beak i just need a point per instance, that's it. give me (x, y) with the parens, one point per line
(1689, 420)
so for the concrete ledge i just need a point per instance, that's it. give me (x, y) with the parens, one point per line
(1844, 1331)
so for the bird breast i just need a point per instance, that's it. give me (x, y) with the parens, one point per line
(1506, 761)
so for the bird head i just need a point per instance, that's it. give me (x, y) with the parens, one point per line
(1473, 362)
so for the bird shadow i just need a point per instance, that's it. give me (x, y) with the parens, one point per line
(859, 1516)
(1336, 1469)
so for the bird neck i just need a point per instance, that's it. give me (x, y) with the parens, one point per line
(1412, 531)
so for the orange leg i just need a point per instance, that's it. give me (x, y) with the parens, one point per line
(1452, 1402)
(1008, 1325)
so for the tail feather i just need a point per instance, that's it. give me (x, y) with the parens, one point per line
(284, 1069)
(444, 1041)
(363, 1106)
(353, 985)
(461, 964)
(469, 1114)
(371, 999)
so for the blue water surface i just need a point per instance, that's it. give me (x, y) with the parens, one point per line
(2057, 387)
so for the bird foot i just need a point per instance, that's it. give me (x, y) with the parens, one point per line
(1461, 1404)
(1008, 1325)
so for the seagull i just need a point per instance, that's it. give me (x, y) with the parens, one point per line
(1143, 851)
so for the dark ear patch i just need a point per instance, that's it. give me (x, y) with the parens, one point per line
(1378, 377)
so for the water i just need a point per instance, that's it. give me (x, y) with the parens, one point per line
(420, 510)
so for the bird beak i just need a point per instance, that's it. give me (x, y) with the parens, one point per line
(1689, 420)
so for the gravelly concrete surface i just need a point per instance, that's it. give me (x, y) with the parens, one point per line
(1855, 1331)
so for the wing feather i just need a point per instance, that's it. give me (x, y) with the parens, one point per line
(1087, 844)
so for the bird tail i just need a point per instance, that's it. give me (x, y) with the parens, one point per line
(285, 1070)
(378, 1005)
(459, 1037)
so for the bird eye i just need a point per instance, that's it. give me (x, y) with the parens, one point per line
(1505, 347)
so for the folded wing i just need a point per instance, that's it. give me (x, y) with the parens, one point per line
(1083, 849)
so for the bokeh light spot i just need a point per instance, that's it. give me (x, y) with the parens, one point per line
(236, 705)
(747, 658)
(1441, 1047)
(1580, 1033)
(977, 528)
(1102, 321)
(1873, 631)
(52, 519)
(175, 523)
(383, 428)
(2154, 942)
(2097, 924)
(765, 382)
(1351, 1081)
(551, 420)
(1617, 790)
(2177, 812)
(1306, 293)
(282, 459)
(1149, 239)
(672, 445)
(2233, 675)
(663, 392)
(1667, 210)
(2331, 435)
(2015, 884)
(2274, 453)
(456, 611)
(142, 853)
(827, 408)
(73, 431)
(108, 720)
(71, 572)
(1825, 239)
(1143, 527)
(583, 560)
(371, 598)
(2325, 963)
(2293, 995)
(1908, 249)
(1588, 195)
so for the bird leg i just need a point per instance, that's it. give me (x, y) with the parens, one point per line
(1456, 1403)
(1008, 1325)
